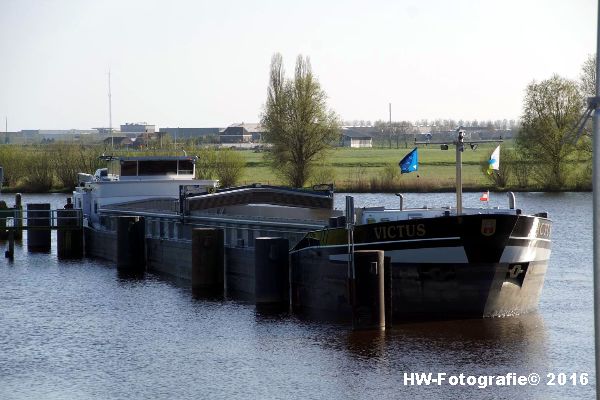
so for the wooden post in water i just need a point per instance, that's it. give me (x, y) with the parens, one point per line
(131, 244)
(10, 253)
(387, 281)
(18, 216)
(271, 272)
(208, 262)
(69, 234)
(368, 302)
(38, 227)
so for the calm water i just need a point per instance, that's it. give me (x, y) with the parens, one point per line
(77, 330)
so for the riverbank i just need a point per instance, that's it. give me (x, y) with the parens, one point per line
(40, 169)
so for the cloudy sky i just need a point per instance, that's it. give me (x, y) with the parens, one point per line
(206, 63)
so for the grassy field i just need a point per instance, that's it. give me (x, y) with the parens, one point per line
(55, 167)
(356, 168)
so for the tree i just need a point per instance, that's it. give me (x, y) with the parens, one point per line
(550, 110)
(297, 122)
(587, 83)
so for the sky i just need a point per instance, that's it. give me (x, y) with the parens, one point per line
(206, 63)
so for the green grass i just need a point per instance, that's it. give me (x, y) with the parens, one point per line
(352, 166)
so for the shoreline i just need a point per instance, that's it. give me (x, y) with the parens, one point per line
(367, 190)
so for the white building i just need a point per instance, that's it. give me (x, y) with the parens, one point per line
(351, 138)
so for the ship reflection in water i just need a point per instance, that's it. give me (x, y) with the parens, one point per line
(493, 341)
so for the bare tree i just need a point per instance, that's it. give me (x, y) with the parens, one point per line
(297, 122)
(587, 82)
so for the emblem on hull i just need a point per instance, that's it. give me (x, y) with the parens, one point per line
(488, 227)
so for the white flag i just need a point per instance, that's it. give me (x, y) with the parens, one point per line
(494, 160)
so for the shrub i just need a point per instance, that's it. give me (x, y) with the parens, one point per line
(12, 160)
(322, 174)
(229, 167)
(206, 166)
(38, 169)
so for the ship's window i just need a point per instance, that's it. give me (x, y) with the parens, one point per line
(163, 167)
(129, 168)
(171, 226)
(161, 225)
(186, 167)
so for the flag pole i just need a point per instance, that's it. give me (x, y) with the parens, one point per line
(460, 143)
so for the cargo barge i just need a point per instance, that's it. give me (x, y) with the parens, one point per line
(445, 263)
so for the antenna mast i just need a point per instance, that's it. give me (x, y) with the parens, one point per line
(112, 139)
(459, 142)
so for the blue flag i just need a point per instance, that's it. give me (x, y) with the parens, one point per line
(410, 162)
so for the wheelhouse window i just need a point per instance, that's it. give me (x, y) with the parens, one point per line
(129, 168)
(164, 167)
(186, 167)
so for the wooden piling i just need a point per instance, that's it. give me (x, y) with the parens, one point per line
(271, 272)
(69, 235)
(10, 253)
(387, 262)
(131, 243)
(368, 306)
(208, 262)
(38, 227)
(18, 216)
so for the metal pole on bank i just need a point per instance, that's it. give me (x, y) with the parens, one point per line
(595, 103)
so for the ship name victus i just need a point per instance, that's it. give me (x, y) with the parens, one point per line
(399, 231)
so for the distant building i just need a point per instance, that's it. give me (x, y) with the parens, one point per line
(190, 133)
(235, 134)
(352, 138)
(10, 138)
(255, 129)
(138, 127)
(118, 141)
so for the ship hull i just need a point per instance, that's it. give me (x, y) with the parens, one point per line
(456, 267)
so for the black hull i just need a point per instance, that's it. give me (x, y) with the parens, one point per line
(448, 276)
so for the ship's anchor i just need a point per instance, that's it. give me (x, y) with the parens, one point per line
(515, 271)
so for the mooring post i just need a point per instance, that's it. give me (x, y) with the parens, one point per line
(208, 262)
(18, 216)
(271, 272)
(69, 234)
(368, 302)
(10, 253)
(38, 227)
(387, 282)
(131, 243)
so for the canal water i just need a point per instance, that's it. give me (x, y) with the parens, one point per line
(79, 330)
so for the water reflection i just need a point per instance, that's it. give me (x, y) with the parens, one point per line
(367, 344)
(128, 276)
